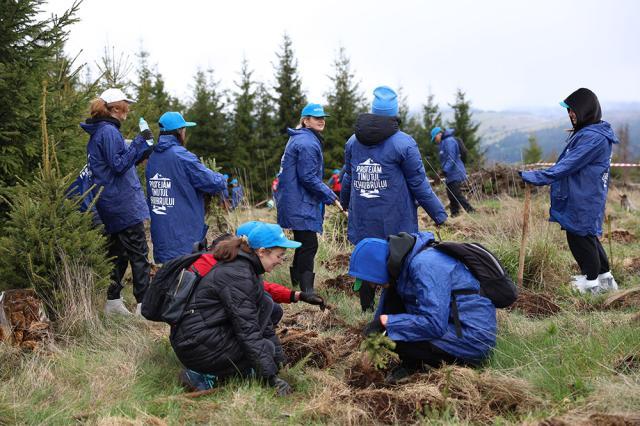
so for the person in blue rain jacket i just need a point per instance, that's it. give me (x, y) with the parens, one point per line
(176, 186)
(237, 194)
(121, 204)
(302, 194)
(415, 307)
(384, 179)
(452, 167)
(579, 183)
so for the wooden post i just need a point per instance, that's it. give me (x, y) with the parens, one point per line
(610, 243)
(525, 232)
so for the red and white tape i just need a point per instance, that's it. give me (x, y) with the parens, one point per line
(551, 164)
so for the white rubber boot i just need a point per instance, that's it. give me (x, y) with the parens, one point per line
(139, 310)
(583, 285)
(607, 282)
(116, 307)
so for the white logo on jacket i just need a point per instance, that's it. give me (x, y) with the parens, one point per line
(367, 179)
(160, 197)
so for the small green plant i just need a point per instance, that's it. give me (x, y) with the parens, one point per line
(379, 348)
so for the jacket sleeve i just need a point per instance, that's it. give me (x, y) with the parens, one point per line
(117, 154)
(279, 293)
(201, 178)
(450, 154)
(416, 178)
(345, 193)
(307, 168)
(433, 288)
(243, 313)
(586, 151)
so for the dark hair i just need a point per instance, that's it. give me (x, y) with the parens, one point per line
(100, 109)
(227, 250)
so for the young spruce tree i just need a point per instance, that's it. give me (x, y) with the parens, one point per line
(288, 88)
(466, 129)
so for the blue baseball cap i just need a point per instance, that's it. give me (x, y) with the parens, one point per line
(172, 121)
(313, 110)
(234, 181)
(563, 104)
(385, 101)
(246, 228)
(225, 176)
(434, 132)
(268, 235)
(369, 261)
(336, 171)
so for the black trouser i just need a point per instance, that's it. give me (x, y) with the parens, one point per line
(305, 254)
(129, 246)
(456, 198)
(414, 355)
(589, 254)
(367, 296)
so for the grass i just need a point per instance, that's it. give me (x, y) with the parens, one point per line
(123, 371)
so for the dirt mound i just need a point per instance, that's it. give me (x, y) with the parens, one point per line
(402, 405)
(362, 374)
(300, 344)
(594, 419)
(23, 321)
(338, 262)
(536, 305)
(632, 264)
(343, 283)
(314, 319)
(624, 299)
(620, 236)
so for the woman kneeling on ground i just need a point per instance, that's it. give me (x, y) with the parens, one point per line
(416, 310)
(227, 330)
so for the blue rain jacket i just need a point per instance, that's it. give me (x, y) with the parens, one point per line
(301, 193)
(112, 166)
(80, 187)
(450, 160)
(425, 283)
(579, 180)
(384, 181)
(237, 194)
(176, 184)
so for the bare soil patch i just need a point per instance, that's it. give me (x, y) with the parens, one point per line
(536, 305)
(632, 264)
(338, 262)
(620, 236)
(342, 282)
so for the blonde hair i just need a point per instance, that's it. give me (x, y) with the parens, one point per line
(100, 109)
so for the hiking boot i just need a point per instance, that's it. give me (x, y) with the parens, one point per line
(116, 307)
(398, 375)
(194, 381)
(607, 282)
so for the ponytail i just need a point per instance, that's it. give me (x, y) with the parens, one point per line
(227, 250)
(100, 109)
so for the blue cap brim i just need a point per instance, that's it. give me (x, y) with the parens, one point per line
(563, 104)
(288, 244)
(317, 116)
(189, 124)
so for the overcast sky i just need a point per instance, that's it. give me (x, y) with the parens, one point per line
(503, 53)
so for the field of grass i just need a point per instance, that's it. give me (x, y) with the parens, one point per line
(560, 355)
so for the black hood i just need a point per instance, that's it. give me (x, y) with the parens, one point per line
(586, 106)
(107, 119)
(371, 129)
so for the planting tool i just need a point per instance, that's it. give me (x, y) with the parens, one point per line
(525, 232)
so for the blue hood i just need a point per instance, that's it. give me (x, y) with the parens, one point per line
(603, 128)
(165, 142)
(447, 133)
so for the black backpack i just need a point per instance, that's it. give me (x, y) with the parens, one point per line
(170, 290)
(464, 152)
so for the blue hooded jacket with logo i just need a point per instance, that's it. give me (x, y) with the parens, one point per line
(301, 193)
(176, 184)
(384, 181)
(579, 180)
(112, 165)
(425, 284)
(450, 160)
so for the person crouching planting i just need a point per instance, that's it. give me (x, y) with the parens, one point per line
(430, 305)
(579, 183)
(228, 330)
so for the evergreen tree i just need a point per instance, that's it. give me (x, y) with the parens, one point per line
(209, 138)
(431, 118)
(269, 144)
(242, 135)
(31, 50)
(533, 153)
(409, 123)
(289, 97)
(345, 102)
(466, 129)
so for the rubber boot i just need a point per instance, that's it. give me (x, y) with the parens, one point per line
(295, 277)
(607, 282)
(306, 281)
(139, 310)
(116, 307)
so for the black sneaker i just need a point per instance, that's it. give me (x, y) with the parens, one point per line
(398, 375)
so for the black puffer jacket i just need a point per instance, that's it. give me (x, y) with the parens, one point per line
(228, 323)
